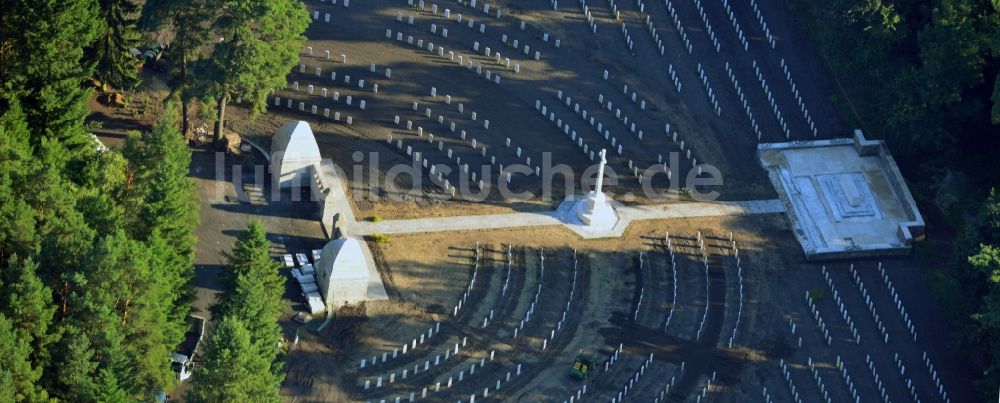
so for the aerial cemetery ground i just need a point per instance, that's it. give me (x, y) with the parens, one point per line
(686, 309)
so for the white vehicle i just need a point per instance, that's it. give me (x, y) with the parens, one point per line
(315, 303)
(316, 254)
(182, 361)
(309, 287)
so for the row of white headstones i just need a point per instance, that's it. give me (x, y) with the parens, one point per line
(633, 380)
(714, 102)
(434, 330)
(453, 126)
(590, 151)
(870, 304)
(458, 18)
(582, 146)
(323, 92)
(327, 16)
(742, 38)
(673, 75)
(472, 369)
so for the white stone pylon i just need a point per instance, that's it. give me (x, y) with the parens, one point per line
(595, 210)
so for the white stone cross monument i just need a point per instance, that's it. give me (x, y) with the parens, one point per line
(595, 210)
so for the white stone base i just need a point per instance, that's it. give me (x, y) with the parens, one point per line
(594, 210)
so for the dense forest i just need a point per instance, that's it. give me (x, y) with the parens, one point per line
(923, 76)
(96, 244)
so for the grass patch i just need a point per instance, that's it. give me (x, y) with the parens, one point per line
(816, 294)
(378, 238)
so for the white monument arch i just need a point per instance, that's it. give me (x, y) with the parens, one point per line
(294, 154)
(346, 274)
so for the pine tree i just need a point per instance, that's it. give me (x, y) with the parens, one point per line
(99, 303)
(17, 221)
(65, 236)
(174, 289)
(262, 39)
(102, 196)
(46, 69)
(15, 146)
(28, 305)
(166, 201)
(253, 288)
(17, 164)
(111, 50)
(156, 322)
(78, 377)
(73, 377)
(160, 160)
(27, 302)
(233, 368)
(123, 303)
(17, 377)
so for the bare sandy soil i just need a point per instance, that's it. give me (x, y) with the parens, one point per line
(429, 274)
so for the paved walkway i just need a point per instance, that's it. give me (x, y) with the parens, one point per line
(626, 214)
(564, 215)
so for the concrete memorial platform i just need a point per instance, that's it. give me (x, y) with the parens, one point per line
(844, 197)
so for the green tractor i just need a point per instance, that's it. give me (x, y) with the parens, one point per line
(582, 366)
